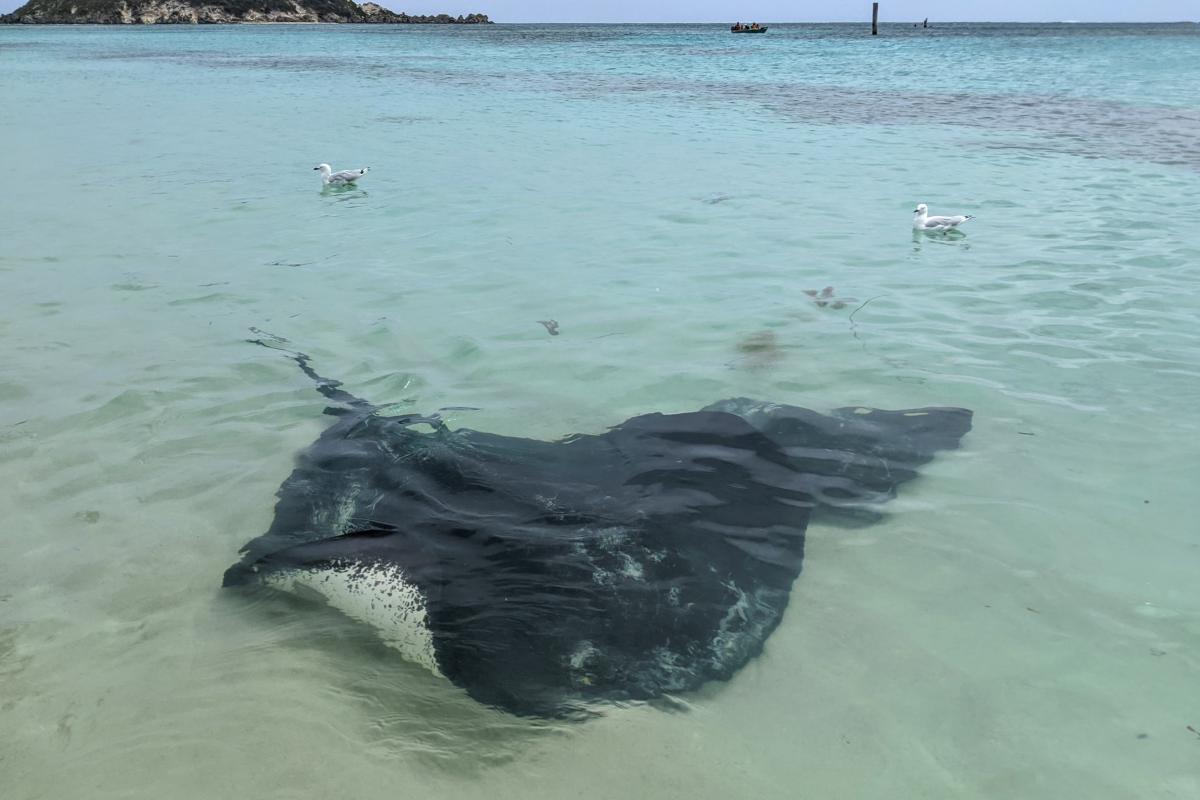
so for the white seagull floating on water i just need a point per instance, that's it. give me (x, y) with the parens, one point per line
(346, 176)
(923, 222)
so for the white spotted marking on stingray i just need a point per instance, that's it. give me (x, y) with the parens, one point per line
(630, 568)
(585, 651)
(373, 593)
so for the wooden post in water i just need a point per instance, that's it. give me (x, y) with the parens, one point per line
(874, 19)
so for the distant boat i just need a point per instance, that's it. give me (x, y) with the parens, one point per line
(747, 29)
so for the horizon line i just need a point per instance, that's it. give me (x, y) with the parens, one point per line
(881, 22)
(861, 21)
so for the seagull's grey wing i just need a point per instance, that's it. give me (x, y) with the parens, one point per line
(346, 176)
(945, 222)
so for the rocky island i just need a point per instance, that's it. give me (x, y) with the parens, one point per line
(157, 12)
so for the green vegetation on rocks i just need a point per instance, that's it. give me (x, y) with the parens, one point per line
(153, 12)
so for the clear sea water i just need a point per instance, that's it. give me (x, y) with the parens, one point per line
(1025, 620)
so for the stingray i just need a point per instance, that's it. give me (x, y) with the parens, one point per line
(548, 578)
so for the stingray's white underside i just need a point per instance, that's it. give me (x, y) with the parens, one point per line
(374, 594)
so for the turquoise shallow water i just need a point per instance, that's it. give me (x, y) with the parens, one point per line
(1023, 623)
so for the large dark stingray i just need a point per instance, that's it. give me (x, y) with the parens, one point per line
(542, 577)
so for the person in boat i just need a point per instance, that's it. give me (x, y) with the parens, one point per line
(737, 26)
(754, 26)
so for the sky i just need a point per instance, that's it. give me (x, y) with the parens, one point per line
(798, 10)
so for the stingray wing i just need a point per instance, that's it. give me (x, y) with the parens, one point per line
(854, 458)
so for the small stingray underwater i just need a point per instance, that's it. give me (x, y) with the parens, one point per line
(547, 578)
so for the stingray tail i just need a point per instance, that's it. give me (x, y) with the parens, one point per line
(328, 387)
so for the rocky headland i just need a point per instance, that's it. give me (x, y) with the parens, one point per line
(191, 12)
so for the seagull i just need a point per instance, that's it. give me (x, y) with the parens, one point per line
(343, 178)
(923, 222)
